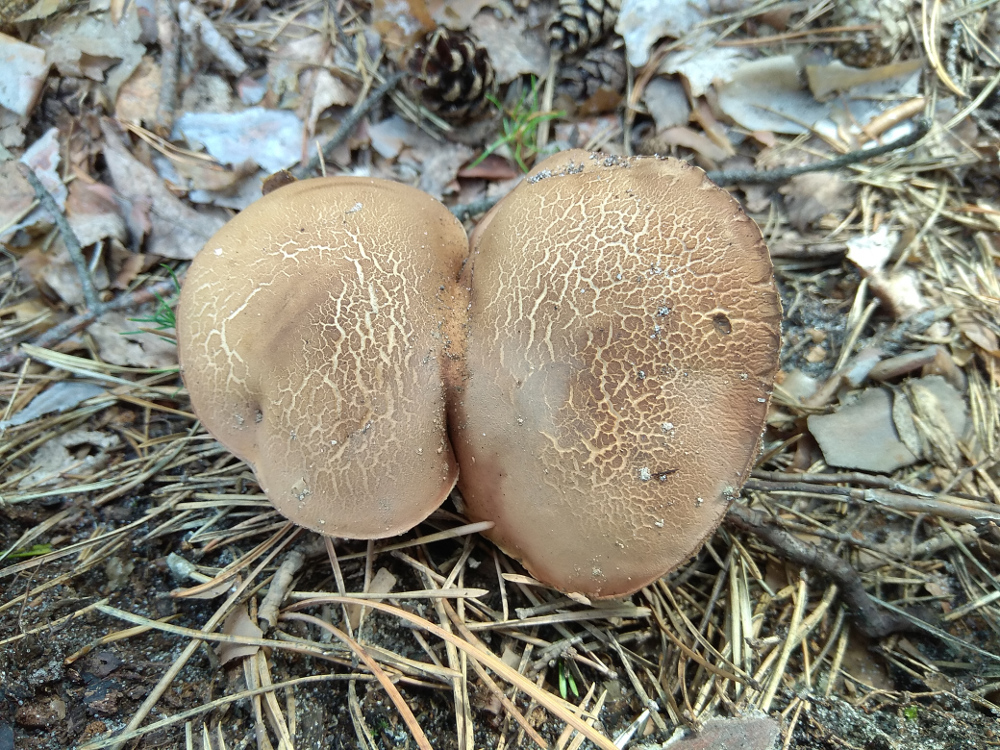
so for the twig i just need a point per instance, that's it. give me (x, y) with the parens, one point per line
(870, 619)
(90, 297)
(465, 211)
(67, 328)
(945, 506)
(770, 176)
(168, 35)
(267, 615)
(348, 124)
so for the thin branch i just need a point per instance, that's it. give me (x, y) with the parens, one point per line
(463, 211)
(67, 328)
(90, 296)
(771, 176)
(169, 37)
(869, 618)
(348, 124)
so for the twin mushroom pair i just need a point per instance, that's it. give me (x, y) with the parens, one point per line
(593, 367)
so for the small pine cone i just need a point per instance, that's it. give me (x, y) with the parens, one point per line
(869, 49)
(577, 25)
(450, 74)
(601, 67)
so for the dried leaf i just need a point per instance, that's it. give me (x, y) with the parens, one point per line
(401, 22)
(667, 102)
(53, 457)
(768, 94)
(16, 195)
(174, 229)
(643, 22)
(120, 342)
(23, 69)
(93, 214)
(382, 583)
(514, 49)
(271, 138)
(835, 76)
(861, 435)
(42, 9)
(456, 14)
(977, 333)
(139, 96)
(697, 142)
(491, 168)
(871, 252)
(328, 91)
(701, 67)
(83, 45)
(809, 197)
(238, 623)
(55, 399)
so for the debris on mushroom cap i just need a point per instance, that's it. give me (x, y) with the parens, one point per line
(622, 341)
(312, 335)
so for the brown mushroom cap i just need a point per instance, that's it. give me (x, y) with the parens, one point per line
(310, 339)
(622, 342)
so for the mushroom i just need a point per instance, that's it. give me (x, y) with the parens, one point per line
(313, 338)
(621, 343)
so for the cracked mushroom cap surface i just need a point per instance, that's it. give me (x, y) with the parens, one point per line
(622, 341)
(312, 338)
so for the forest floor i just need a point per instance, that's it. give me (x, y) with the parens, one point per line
(851, 596)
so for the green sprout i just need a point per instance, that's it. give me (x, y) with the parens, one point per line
(520, 127)
(910, 713)
(162, 318)
(566, 680)
(35, 550)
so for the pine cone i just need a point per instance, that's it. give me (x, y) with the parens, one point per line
(601, 67)
(451, 74)
(869, 49)
(577, 25)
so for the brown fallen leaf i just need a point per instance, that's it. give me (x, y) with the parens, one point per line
(809, 197)
(174, 229)
(238, 623)
(514, 49)
(491, 168)
(121, 341)
(862, 435)
(93, 214)
(139, 96)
